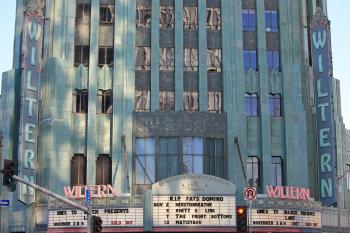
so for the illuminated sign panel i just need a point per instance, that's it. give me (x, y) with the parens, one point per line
(322, 69)
(203, 211)
(288, 192)
(285, 218)
(111, 217)
(194, 201)
(97, 191)
(31, 72)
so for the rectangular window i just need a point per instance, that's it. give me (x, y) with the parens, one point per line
(214, 101)
(106, 14)
(80, 98)
(276, 168)
(83, 12)
(214, 18)
(145, 151)
(103, 170)
(104, 101)
(250, 60)
(214, 162)
(169, 155)
(143, 101)
(273, 60)
(249, 20)
(253, 171)
(251, 104)
(214, 60)
(167, 59)
(167, 100)
(275, 102)
(81, 55)
(271, 20)
(78, 170)
(192, 155)
(143, 58)
(190, 59)
(167, 17)
(191, 101)
(143, 16)
(190, 17)
(105, 56)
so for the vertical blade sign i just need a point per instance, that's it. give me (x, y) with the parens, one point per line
(31, 72)
(322, 69)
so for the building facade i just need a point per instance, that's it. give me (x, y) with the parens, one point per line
(132, 92)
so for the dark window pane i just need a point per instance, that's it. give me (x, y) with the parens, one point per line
(85, 55)
(246, 60)
(253, 20)
(274, 20)
(253, 59)
(103, 170)
(267, 19)
(110, 56)
(78, 170)
(269, 60)
(101, 56)
(276, 60)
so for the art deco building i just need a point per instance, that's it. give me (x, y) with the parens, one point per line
(134, 91)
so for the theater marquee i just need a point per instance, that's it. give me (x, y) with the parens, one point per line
(194, 201)
(322, 69)
(31, 73)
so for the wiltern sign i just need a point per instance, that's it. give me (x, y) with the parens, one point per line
(322, 68)
(31, 72)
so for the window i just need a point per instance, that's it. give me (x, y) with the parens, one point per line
(78, 170)
(167, 101)
(271, 20)
(145, 152)
(250, 60)
(214, 101)
(104, 101)
(81, 55)
(275, 102)
(273, 60)
(190, 59)
(103, 169)
(214, 60)
(142, 101)
(214, 162)
(249, 20)
(167, 17)
(143, 58)
(167, 59)
(143, 16)
(276, 168)
(214, 18)
(169, 155)
(80, 98)
(190, 18)
(192, 155)
(83, 12)
(105, 56)
(253, 171)
(106, 14)
(251, 104)
(191, 101)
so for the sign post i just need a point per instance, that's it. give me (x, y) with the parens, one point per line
(4, 202)
(87, 196)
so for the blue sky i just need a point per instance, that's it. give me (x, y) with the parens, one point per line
(338, 13)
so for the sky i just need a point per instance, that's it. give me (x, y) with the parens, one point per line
(338, 14)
